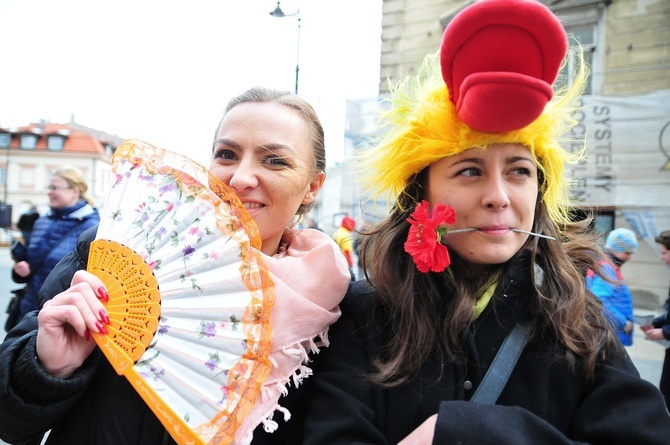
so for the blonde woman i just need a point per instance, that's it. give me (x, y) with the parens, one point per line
(55, 234)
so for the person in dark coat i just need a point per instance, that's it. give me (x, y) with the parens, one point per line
(660, 326)
(479, 254)
(26, 222)
(55, 234)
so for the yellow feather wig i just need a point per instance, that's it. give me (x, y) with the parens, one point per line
(424, 128)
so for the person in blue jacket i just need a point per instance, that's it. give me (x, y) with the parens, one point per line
(55, 234)
(620, 246)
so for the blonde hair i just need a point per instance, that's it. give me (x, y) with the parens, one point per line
(75, 178)
(424, 128)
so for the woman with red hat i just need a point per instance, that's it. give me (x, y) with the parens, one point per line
(474, 324)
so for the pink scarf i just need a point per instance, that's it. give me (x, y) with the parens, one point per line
(311, 278)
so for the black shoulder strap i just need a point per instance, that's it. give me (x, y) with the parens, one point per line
(496, 377)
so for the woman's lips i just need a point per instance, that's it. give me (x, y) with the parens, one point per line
(494, 230)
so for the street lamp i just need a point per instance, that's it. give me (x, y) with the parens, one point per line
(278, 13)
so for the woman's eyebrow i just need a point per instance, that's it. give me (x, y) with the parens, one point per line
(277, 146)
(227, 142)
(468, 160)
(271, 147)
(513, 159)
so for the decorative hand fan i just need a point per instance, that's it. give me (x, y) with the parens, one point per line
(189, 295)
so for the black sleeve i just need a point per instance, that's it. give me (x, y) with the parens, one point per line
(342, 409)
(31, 400)
(617, 408)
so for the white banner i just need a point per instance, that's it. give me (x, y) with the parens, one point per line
(628, 163)
(628, 142)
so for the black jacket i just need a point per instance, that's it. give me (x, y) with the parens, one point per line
(95, 405)
(542, 403)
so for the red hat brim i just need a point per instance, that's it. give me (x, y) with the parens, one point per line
(499, 59)
(525, 95)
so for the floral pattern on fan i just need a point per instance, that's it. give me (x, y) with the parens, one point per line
(209, 351)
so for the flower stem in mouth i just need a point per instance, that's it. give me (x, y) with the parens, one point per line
(469, 229)
(533, 234)
(472, 229)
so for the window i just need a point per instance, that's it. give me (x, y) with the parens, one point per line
(5, 139)
(28, 141)
(585, 37)
(55, 142)
(583, 22)
(109, 149)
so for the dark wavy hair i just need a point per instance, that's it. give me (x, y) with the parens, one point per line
(664, 238)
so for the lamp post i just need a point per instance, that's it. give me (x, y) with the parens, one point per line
(278, 13)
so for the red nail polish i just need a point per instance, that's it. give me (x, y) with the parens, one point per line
(87, 335)
(102, 293)
(101, 329)
(103, 316)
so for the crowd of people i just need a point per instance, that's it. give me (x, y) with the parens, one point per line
(486, 312)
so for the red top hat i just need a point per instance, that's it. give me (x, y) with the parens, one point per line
(499, 59)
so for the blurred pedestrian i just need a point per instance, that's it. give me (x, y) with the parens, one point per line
(26, 222)
(660, 326)
(55, 234)
(610, 285)
(343, 236)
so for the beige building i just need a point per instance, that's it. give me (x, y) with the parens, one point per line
(29, 154)
(625, 119)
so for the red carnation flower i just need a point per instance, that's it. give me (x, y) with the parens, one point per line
(424, 240)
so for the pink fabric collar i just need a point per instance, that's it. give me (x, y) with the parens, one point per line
(311, 278)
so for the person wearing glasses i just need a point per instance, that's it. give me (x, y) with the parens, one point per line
(55, 234)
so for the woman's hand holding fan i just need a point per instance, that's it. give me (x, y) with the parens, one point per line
(63, 337)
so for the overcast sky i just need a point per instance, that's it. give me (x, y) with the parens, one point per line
(162, 71)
